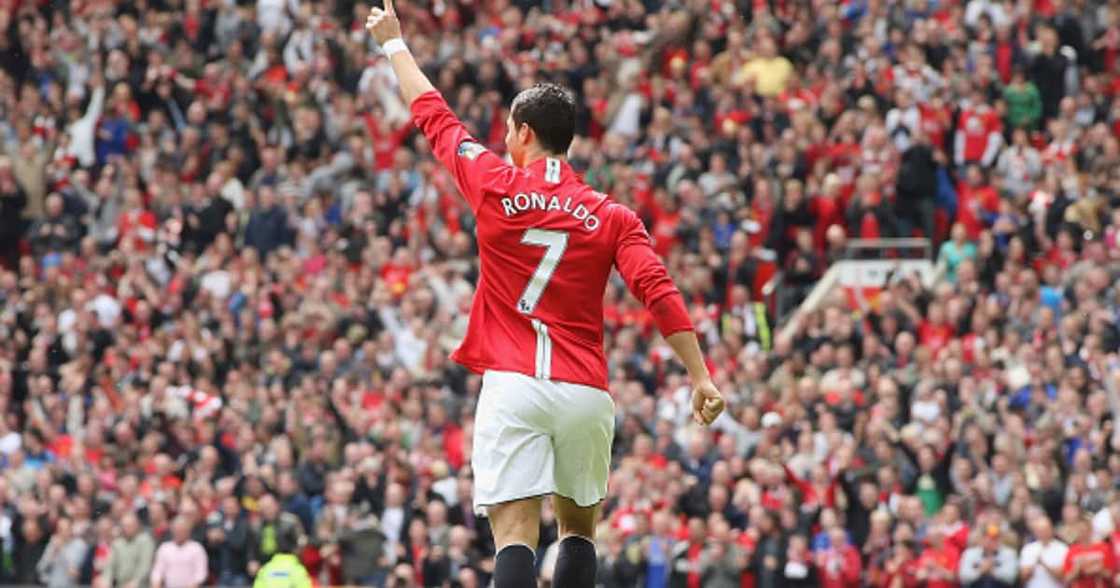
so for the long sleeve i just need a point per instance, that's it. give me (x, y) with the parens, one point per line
(390, 320)
(46, 563)
(970, 566)
(298, 49)
(73, 556)
(82, 130)
(995, 142)
(111, 575)
(322, 176)
(804, 487)
(941, 472)
(647, 277)
(1035, 105)
(477, 170)
(1003, 163)
(159, 566)
(145, 554)
(1006, 569)
(199, 565)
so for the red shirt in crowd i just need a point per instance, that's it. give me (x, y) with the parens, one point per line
(935, 122)
(1090, 557)
(906, 574)
(138, 225)
(974, 203)
(978, 129)
(547, 245)
(934, 336)
(840, 567)
(694, 551)
(386, 142)
(944, 558)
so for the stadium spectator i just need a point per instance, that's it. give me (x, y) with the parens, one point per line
(227, 543)
(61, 563)
(988, 562)
(1041, 561)
(131, 555)
(180, 561)
(270, 351)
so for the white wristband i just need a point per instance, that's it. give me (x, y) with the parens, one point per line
(393, 46)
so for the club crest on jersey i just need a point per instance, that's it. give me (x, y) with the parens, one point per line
(470, 150)
(523, 202)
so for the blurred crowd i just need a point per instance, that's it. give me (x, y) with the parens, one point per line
(232, 273)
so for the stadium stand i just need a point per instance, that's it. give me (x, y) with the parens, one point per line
(232, 274)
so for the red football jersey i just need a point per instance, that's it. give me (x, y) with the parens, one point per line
(547, 245)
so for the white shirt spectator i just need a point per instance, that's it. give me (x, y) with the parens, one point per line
(274, 15)
(82, 130)
(218, 283)
(392, 525)
(10, 442)
(993, 10)
(1052, 554)
(107, 309)
(1020, 168)
(902, 125)
(627, 121)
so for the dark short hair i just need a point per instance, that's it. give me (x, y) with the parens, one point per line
(287, 540)
(550, 111)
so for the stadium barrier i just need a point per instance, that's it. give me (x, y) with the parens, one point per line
(867, 267)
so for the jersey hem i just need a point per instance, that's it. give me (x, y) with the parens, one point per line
(480, 368)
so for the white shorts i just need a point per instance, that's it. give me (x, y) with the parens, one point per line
(535, 437)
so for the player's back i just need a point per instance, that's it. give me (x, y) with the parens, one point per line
(547, 243)
(546, 252)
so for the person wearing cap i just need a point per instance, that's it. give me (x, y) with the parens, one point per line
(989, 563)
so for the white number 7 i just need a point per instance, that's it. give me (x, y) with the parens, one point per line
(555, 242)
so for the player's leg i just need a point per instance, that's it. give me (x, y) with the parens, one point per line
(582, 442)
(576, 561)
(513, 463)
(516, 526)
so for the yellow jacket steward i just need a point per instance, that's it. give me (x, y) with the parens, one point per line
(283, 571)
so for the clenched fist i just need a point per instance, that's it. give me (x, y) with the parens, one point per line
(707, 403)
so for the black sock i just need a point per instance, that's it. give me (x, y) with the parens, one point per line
(515, 567)
(575, 564)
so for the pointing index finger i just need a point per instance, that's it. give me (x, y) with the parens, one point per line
(389, 8)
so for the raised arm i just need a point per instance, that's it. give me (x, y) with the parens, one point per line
(386, 30)
(476, 170)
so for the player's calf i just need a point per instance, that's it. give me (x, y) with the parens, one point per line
(516, 525)
(575, 563)
(515, 567)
